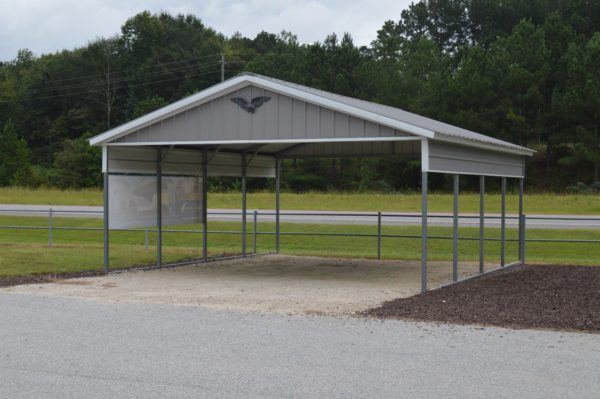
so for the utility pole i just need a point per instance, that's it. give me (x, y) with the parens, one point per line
(222, 67)
(108, 102)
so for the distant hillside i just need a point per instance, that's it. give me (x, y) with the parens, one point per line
(522, 71)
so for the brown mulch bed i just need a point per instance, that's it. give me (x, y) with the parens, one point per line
(553, 297)
(7, 281)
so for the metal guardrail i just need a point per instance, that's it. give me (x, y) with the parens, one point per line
(377, 219)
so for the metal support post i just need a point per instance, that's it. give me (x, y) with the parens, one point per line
(523, 235)
(254, 232)
(106, 235)
(503, 225)
(455, 231)
(378, 235)
(204, 205)
(424, 232)
(146, 239)
(243, 204)
(521, 221)
(50, 228)
(277, 202)
(159, 207)
(481, 223)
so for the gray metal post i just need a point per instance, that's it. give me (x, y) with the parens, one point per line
(424, 232)
(243, 204)
(106, 235)
(204, 205)
(455, 231)
(521, 229)
(254, 226)
(277, 202)
(481, 223)
(503, 225)
(378, 235)
(159, 207)
(50, 228)
(523, 241)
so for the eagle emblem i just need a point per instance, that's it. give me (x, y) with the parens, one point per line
(251, 106)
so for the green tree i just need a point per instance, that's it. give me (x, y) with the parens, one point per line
(15, 166)
(78, 164)
(579, 104)
(148, 105)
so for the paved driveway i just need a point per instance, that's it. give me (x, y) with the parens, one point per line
(72, 348)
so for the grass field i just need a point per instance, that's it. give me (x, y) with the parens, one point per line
(27, 251)
(411, 202)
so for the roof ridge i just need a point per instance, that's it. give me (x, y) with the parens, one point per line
(325, 94)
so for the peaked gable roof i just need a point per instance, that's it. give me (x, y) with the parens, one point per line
(384, 115)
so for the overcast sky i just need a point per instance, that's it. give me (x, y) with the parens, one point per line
(46, 26)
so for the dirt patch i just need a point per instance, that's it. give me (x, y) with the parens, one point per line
(7, 281)
(554, 297)
(73, 282)
(273, 283)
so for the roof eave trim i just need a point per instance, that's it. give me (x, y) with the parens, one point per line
(271, 141)
(516, 150)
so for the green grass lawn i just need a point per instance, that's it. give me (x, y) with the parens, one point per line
(27, 251)
(411, 202)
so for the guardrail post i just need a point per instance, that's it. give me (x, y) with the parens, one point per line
(146, 239)
(378, 235)
(50, 228)
(255, 221)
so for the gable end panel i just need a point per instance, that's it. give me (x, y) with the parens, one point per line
(246, 114)
(451, 158)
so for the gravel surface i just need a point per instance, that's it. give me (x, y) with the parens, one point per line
(70, 348)
(557, 297)
(274, 283)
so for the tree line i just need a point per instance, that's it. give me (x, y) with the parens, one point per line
(525, 71)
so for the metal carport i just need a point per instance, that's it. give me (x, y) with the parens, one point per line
(246, 125)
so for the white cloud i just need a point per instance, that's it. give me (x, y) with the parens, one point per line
(45, 26)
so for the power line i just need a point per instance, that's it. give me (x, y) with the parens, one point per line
(88, 84)
(117, 79)
(87, 77)
(85, 80)
(91, 85)
(197, 74)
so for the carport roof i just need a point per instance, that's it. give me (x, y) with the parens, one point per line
(394, 118)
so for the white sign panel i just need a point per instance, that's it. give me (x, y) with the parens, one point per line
(132, 201)
(181, 200)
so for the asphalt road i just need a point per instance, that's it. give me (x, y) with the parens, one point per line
(71, 348)
(328, 217)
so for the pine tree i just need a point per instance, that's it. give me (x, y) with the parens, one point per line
(15, 167)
